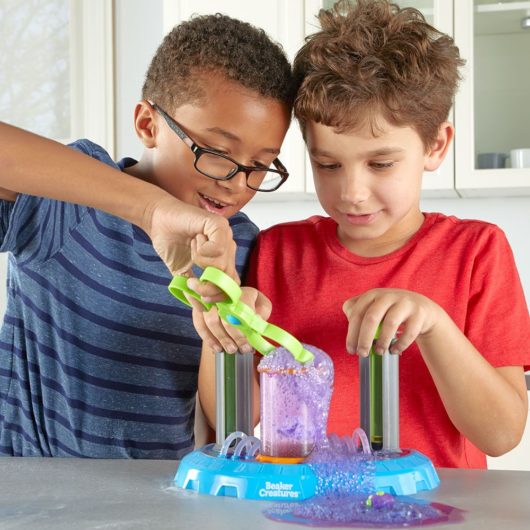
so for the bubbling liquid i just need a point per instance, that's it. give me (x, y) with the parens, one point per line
(295, 400)
(346, 495)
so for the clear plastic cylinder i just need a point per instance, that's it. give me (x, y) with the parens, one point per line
(295, 402)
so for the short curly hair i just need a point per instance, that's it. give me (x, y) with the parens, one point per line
(375, 59)
(216, 44)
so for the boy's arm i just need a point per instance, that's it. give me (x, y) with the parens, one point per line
(38, 166)
(487, 405)
(207, 394)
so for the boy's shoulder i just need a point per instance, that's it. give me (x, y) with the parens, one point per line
(93, 150)
(467, 239)
(242, 225)
(463, 228)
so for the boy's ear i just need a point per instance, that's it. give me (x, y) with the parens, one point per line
(436, 152)
(145, 123)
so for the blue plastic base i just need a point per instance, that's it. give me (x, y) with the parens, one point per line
(207, 472)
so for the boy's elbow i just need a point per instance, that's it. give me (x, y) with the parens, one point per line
(501, 449)
(509, 430)
(504, 442)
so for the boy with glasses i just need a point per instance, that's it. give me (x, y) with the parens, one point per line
(96, 359)
(377, 84)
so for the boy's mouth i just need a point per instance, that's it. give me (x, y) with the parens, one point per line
(361, 219)
(213, 205)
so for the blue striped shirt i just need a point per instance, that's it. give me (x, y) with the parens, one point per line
(97, 359)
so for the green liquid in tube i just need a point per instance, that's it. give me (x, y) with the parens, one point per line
(230, 392)
(376, 401)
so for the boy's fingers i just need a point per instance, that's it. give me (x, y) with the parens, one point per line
(263, 307)
(242, 343)
(394, 317)
(218, 332)
(220, 253)
(237, 337)
(208, 291)
(195, 304)
(208, 338)
(354, 321)
(217, 329)
(363, 317)
(409, 334)
(367, 330)
(373, 308)
(257, 301)
(385, 339)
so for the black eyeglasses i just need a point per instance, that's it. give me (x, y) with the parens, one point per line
(221, 167)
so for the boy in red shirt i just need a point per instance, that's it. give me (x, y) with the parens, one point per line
(377, 84)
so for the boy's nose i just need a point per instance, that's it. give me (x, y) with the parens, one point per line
(236, 184)
(355, 189)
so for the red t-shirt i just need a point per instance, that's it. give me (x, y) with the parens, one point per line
(465, 266)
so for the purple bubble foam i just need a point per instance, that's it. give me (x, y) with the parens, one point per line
(295, 400)
(345, 495)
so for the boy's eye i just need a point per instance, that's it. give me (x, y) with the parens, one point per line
(327, 167)
(382, 165)
(213, 149)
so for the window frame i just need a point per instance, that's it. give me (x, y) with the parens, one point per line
(92, 72)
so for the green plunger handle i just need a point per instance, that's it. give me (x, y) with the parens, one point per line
(240, 315)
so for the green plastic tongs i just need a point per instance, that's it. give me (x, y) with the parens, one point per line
(256, 329)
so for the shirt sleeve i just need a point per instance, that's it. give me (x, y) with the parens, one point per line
(498, 323)
(34, 228)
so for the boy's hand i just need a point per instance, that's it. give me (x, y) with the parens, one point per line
(218, 335)
(412, 313)
(183, 234)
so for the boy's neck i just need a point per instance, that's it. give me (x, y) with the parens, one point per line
(141, 170)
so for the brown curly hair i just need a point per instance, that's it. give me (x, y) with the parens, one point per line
(216, 44)
(375, 59)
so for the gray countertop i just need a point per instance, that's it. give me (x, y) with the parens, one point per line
(69, 493)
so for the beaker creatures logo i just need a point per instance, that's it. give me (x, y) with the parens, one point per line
(276, 490)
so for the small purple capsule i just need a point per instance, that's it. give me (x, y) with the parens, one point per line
(380, 501)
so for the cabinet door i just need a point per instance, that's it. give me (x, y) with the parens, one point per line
(283, 21)
(493, 104)
(439, 13)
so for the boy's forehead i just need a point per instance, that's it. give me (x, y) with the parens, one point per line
(235, 117)
(226, 98)
(323, 140)
(225, 115)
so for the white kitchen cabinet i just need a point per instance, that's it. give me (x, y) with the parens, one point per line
(492, 108)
